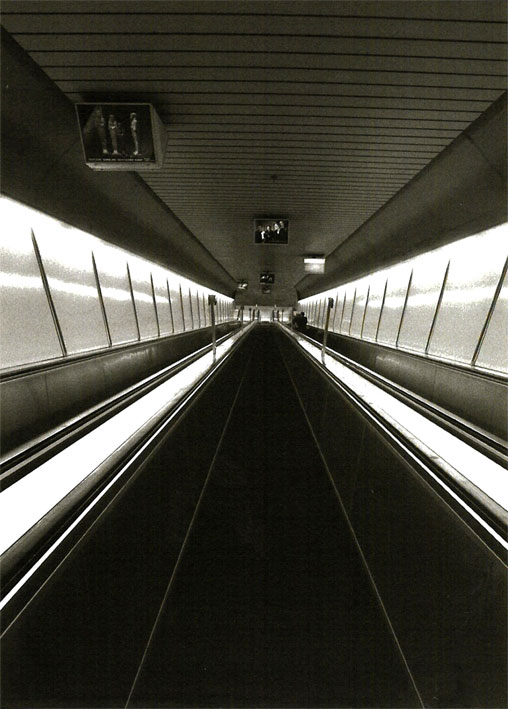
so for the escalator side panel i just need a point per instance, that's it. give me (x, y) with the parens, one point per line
(80, 640)
(444, 590)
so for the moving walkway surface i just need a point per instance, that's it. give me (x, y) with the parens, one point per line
(267, 603)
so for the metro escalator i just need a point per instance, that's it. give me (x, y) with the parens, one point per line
(270, 605)
(221, 576)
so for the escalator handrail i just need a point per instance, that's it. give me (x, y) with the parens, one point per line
(479, 506)
(486, 443)
(23, 459)
(29, 551)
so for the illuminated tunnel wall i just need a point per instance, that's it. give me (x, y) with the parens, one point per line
(449, 304)
(65, 292)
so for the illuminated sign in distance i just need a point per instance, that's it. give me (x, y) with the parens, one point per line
(314, 264)
(271, 230)
(267, 278)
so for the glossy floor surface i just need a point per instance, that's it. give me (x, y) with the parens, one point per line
(270, 605)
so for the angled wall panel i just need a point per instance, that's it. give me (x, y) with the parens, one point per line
(67, 258)
(27, 331)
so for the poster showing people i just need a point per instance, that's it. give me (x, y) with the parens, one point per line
(116, 133)
(271, 231)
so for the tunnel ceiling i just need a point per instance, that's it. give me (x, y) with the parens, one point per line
(315, 111)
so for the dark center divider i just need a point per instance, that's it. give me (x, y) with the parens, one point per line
(270, 604)
(443, 588)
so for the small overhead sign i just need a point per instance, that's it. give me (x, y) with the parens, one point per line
(267, 278)
(314, 264)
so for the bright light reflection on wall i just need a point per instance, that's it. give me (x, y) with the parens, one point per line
(17, 280)
(72, 243)
(67, 255)
(476, 264)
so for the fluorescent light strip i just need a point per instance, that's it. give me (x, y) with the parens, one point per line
(27, 501)
(459, 460)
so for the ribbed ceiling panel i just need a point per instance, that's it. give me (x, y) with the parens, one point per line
(318, 111)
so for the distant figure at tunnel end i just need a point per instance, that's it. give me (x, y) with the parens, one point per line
(300, 322)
